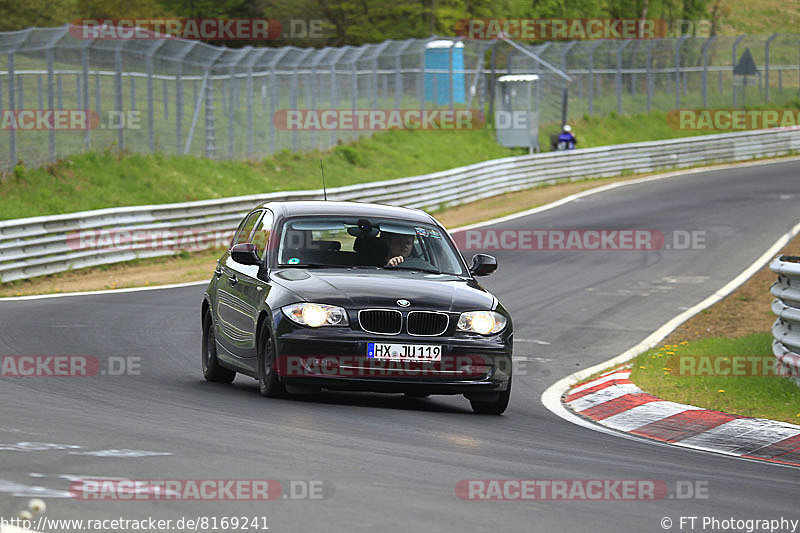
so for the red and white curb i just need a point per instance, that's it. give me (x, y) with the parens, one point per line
(614, 401)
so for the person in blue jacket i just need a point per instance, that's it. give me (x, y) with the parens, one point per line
(566, 140)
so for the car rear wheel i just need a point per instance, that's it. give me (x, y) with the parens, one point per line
(495, 407)
(269, 384)
(212, 370)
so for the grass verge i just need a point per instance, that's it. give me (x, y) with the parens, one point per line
(109, 179)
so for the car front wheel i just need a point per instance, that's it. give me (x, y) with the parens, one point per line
(269, 384)
(494, 407)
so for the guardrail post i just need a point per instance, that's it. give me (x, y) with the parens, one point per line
(704, 51)
(766, 65)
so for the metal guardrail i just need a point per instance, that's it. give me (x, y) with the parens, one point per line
(42, 245)
(786, 330)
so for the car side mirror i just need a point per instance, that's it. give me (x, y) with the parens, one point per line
(483, 265)
(245, 254)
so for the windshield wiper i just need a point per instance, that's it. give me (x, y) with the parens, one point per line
(420, 269)
(311, 265)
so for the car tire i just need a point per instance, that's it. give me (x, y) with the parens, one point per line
(496, 407)
(269, 383)
(212, 370)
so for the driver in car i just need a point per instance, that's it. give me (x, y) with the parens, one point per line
(399, 248)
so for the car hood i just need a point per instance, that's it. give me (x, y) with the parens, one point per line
(360, 290)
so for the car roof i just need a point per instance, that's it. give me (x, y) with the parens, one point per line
(319, 207)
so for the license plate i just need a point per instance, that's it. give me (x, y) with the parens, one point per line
(404, 352)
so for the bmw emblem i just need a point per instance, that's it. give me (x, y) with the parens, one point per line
(403, 303)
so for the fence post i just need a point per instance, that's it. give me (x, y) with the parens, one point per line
(60, 92)
(211, 138)
(591, 75)
(650, 80)
(133, 93)
(766, 66)
(97, 106)
(678, 70)
(118, 94)
(166, 99)
(618, 77)
(704, 51)
(51, 137)
(733, 64)
(249, 111)
(151, 132)
(398, 73)
(85, 66)
(12, 134)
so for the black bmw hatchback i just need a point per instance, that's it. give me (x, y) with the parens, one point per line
(359, 297)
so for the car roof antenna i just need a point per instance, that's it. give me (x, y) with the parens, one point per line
(324, 190)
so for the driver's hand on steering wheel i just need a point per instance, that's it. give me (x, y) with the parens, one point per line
(394, 261)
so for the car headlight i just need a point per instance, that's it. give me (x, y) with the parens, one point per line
(483, 322)
(316, 315)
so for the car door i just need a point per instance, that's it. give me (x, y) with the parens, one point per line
(234, 314)
(250, 290)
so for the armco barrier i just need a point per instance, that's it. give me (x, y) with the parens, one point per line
(786, 330)
(37, 246)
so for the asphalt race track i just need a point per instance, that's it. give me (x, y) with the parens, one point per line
(391, 463)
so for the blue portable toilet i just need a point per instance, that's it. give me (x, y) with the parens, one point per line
(437, 84)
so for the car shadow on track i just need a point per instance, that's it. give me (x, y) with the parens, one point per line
(354, 399)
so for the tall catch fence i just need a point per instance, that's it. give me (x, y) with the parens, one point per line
(176, 96)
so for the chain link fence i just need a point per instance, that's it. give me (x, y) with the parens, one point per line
(176, 96)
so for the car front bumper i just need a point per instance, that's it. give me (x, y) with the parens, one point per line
(335, 359)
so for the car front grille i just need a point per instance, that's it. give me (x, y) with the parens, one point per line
(381, 321)
(427, 323)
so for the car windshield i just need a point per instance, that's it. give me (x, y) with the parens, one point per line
(368, 243)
